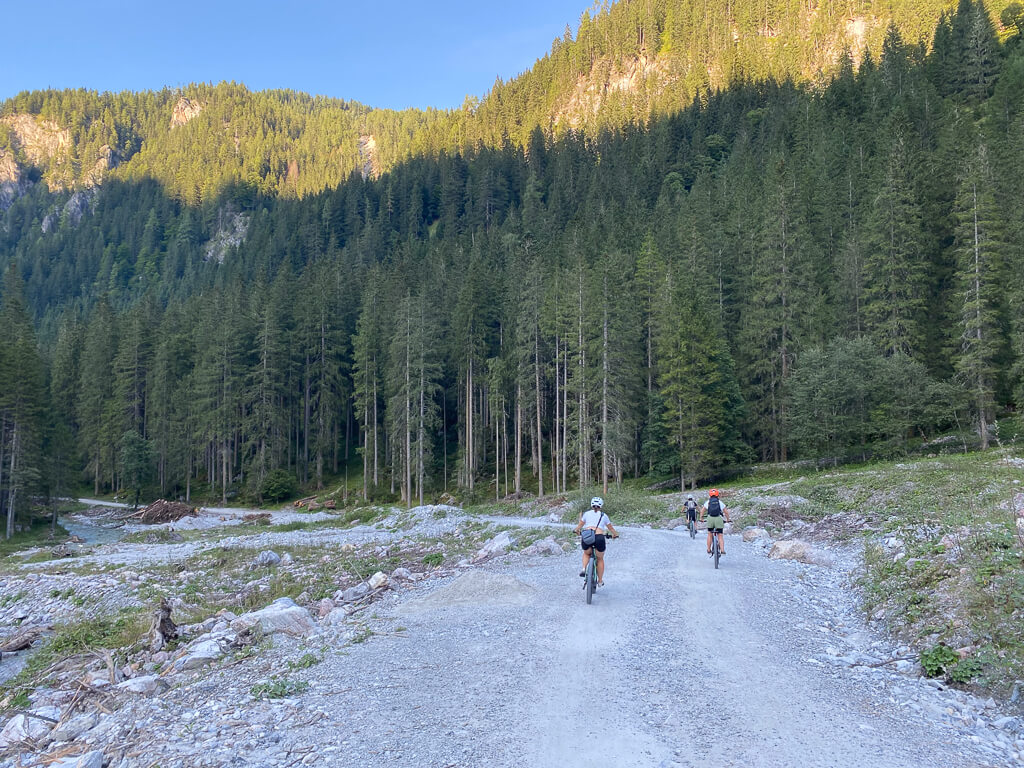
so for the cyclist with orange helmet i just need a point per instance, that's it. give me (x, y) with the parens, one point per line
(715, 511)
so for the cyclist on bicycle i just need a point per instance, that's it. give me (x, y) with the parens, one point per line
(691, 509)
(715, 509)
(596, 520)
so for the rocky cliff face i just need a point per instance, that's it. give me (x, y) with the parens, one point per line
(41, 141)
(11, 182)
(605, 79)
(107, 161)
(47, 148)
(369, 165)
(185, 110)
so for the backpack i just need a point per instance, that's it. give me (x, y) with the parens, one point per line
(714, 507)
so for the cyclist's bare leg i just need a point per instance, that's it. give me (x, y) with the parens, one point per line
(586, 559)
(721, 543)
(709, 541)
(600, 567)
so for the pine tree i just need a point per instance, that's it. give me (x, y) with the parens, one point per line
(22, 397)
(894, 270)
(97, 410)
(979, 248)
(368, 376)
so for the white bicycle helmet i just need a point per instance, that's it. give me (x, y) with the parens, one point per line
(597, 501)
(690, 497)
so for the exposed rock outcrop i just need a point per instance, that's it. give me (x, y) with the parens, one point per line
(185, 110)
(12, 183)
(40, 140)
(108, 160)
(370, 167)
(230, 234)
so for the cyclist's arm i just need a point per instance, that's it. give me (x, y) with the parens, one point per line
(725, 511)
(703, 509)
(579, 526)
(612, 529)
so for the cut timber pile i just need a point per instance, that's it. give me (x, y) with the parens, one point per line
(163, 511)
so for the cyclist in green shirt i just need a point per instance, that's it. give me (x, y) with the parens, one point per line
(715, 511)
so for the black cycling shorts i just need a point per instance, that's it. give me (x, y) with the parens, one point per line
(599, 545)
(691, 514)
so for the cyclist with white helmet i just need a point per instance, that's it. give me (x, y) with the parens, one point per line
(596, 520)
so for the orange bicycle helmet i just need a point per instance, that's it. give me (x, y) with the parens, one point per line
(713, 492)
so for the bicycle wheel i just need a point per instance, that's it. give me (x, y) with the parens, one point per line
(591, 584)
(714, 548)
(693, 530)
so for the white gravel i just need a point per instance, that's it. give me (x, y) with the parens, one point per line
(762, 664)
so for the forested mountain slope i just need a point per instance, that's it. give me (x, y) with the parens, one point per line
(628, 62)
(776, 270)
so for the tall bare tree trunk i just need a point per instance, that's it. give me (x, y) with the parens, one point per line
(540, 436)
(376, 431)
(604, 396)
(469, 425)
(12, 496)
(556, 448)
(519, 439)
(980, 379)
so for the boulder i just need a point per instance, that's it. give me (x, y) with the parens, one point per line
(28, 728)
(801, 551)
(402, 574)
(753, 534)
(92, 759)
(352, 594)
(75, 727)
(98, 678)
(495, 546)
(324, 607)
(267, 558)
(378, 580)
(546, 546)
(200, 654)
(282, 615)
(335, 618)
(145, 686)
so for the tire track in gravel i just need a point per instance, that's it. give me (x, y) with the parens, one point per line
(674, 665)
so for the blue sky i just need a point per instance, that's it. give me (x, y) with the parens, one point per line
(385, 53)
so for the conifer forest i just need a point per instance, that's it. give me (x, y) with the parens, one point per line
(750, 264)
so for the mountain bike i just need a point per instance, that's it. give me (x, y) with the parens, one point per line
(590, 574)
(692, 526)
(590, 577)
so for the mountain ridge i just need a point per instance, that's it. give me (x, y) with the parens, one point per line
(627, 63)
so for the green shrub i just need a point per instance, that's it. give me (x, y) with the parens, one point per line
(434, 558)
(279, 484)
(278, 688)
(939, 660)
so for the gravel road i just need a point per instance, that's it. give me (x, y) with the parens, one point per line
(674, 664)
(762, 664)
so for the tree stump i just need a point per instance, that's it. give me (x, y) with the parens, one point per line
(163, 629)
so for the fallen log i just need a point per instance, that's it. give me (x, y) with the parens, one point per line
(21, 640)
